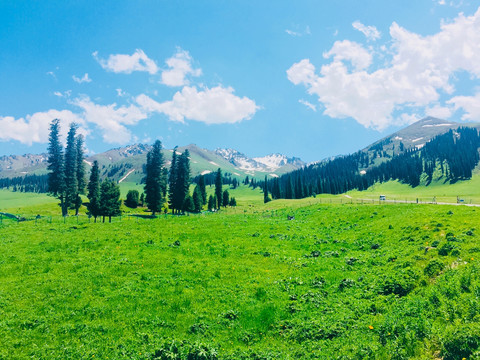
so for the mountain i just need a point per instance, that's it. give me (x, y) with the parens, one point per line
(126, 163)
(273, 163)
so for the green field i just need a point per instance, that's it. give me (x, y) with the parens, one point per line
(339, 281)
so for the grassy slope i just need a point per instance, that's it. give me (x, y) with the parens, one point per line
(467, 190)
(243, 281)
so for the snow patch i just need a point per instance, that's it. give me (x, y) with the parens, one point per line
(436, 125)
(205, 172)
(418, 139)
(88, 162)
(397, 138)
(274, 175)
(213, 163)
(362, 172)
(123, 178)
(236, 174)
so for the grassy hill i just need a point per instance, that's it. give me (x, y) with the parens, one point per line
(338, 281)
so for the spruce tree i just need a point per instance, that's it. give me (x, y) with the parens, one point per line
(172, 182)
(203, 190)
(225, 198)
(233, 202)
(56, 166)
(142, 199)
(156, 179)
(212, 203)
(188, 205)
(71, 182)
(218, 188)
(182, 185)
(197, 199)
(94, 191)
(266, 198)
(81, 181)
(109, 200)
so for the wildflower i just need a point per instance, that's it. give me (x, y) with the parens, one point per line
(370, 327)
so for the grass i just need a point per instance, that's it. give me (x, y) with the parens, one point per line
(469, 191)
(346, 281)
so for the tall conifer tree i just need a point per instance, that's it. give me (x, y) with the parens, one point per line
(156, 179)
(218, 188)
(172, 182)
(71, 182)
(94, 191)
(56, 168)
(81, 181)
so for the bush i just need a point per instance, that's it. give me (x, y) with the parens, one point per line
(445, 249)
(132, 199)
(433, 268)
(399, 284)
(461, 341)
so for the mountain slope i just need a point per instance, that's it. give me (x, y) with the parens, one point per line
(126, 163)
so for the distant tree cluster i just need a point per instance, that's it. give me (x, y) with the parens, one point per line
(66, 177)
(453, 155)
(27, 183)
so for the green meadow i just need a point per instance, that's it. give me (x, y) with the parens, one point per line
(338, 281)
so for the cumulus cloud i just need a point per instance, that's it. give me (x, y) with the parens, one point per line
(217, 105)
(298, 33)
(370, 32)
(83, 79)
(121, 63)
(179, 67)
(111, 119)
(469, 104)
(438, 111)
(420, 70)
(35, 128)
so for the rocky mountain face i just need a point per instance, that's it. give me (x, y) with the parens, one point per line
(269, 163)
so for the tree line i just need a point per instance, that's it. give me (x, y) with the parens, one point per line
(452, 155)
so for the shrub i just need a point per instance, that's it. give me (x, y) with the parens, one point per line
(433, 268)
(132, 199)
(461, 341)
(445, 249)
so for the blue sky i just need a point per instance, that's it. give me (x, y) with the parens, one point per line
(310, 79)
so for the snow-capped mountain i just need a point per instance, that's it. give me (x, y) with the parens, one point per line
(269, 163)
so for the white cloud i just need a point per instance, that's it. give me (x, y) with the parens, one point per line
(370, 32)
(469, 104)
(217, 105)
(58, 93)
(350, 51)
(121, 93)
(111, 119)
(180, 65)
(438, 111)
(35, 128)
(420, 69)
(299, 33)
(121, 63)
(308, 104)
(85, 78)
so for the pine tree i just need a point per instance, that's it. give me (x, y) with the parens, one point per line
(172, 183)
(94, 191)
(212, 203)
(109, 200)
(142, 199)
(197, 199)
(56, 166)
(266, 198)
(81, 182)
(233, 202)
(188, 205)
(203, 190)
(156, 181)
(71, 182)
(218, 188)
(289, 188)
(225, 198)
(182, 185)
